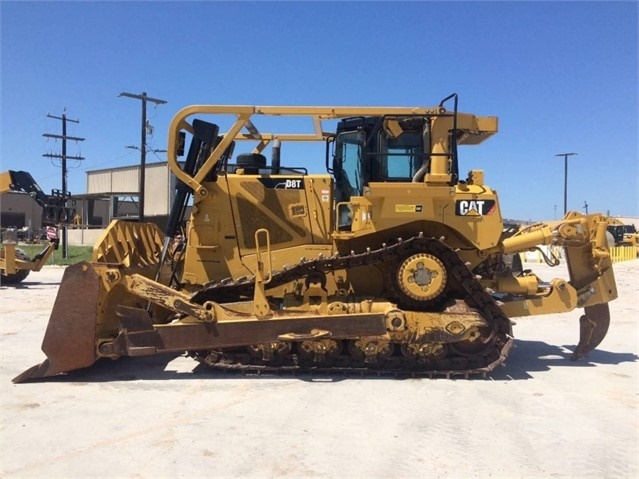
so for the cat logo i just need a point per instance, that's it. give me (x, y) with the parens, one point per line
(474, 207)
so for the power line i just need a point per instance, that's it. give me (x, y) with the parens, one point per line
(64, 157)
(144, 98)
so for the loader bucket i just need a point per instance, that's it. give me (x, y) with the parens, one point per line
(593, 327)
(69, 341)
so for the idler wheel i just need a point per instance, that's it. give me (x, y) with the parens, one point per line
(475, 346)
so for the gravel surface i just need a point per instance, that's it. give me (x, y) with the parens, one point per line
(166, 417)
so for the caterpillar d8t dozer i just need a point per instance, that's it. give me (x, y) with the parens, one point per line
(389, 263)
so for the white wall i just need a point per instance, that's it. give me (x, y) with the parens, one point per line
(83, 237)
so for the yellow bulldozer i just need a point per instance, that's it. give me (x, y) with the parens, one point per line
(15, 264)
(623, 234)
(389, 263)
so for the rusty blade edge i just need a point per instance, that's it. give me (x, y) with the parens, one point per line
(34, 372)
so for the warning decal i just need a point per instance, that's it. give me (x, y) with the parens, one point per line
(408, 208)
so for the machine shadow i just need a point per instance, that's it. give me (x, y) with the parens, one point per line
(526, 358)
(28, 284)
(538, 356)
(155, 367)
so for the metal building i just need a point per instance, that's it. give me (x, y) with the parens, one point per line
(122, 186)
(19, 210)
(110, 193)
(119, 188)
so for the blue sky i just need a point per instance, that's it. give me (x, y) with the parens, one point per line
(561, 77)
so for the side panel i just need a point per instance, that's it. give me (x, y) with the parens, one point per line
(473, 213)
(212, 252)
(295, 209)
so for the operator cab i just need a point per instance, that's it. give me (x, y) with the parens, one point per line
(379, 149)
(402, 149)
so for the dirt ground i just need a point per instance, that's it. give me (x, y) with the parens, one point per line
(165, 417)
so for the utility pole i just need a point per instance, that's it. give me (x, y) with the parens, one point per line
(565, 155)
(64, 157)
(144, 99)
(586, 206)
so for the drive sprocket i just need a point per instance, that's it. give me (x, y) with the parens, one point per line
(420, 279)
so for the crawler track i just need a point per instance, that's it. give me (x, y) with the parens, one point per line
(461, 360)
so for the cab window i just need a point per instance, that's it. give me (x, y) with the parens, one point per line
(401, 157)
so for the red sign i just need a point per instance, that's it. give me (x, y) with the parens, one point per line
(52, 233)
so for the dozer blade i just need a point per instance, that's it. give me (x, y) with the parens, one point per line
(69, 342)
(593, 327)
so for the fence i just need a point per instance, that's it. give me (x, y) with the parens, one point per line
(618, 254)
(623, 253)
